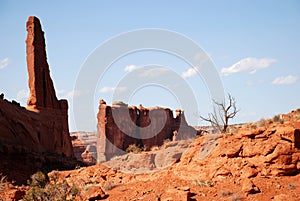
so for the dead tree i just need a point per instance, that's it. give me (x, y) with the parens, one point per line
(220, 117)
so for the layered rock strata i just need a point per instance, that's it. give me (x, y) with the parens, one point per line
(42, 127)
(121, 125)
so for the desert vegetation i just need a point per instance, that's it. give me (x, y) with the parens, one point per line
(42, 189)
(222, 113)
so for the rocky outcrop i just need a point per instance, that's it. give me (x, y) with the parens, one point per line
(121, 125)
(84, 146)
(151, 161)
(41, 128)
(42, 93)
(267, 151)
(240, 166)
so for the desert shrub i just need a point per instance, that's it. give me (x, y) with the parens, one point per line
(53, 192)
(261, 123)
(233, 129)
(74, 191)
(203, 183)
(277, 118)
(133, 149)
(297, 114)
(35, 193)
(155, 148)
(41, 189)
(291, 186)
(225, 193)
(56, 191)
(38, 179)
(54, 176)
(253, 126)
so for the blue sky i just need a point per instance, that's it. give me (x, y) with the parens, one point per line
(255, 46)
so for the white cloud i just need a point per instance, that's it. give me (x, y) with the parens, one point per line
(74, 93)
(249, 64)
(290, 79)
(106, 89)
(22, 95)
(130, 68)
(112, 89)
(153, 72)
(4, 62)
(189, 73)
(255, 82)
(60, 92)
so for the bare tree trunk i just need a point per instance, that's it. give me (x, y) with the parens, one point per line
(225, 112)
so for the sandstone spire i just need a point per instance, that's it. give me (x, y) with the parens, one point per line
(41, 131)
(42, 93)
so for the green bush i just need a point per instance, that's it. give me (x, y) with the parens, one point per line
(39, 179)
(42, 190)
(133, 149)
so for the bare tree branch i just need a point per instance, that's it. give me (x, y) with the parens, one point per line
(224, 113)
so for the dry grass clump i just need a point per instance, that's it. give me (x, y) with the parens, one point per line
(233, 129)
(203, 183)
(261, 123)
(297, 113)
(155, 148)
(225, 193)
(278, 119)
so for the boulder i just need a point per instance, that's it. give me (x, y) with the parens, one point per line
(94, 192)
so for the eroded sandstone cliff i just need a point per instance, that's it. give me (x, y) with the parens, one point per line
(42, 127)
(121, 125)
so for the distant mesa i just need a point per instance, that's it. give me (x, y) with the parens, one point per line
(120, 126)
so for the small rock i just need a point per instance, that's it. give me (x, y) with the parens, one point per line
(95, 193)
(281, 197)
(248, 172)
(248, 187)
(184, 188)
(175, 194)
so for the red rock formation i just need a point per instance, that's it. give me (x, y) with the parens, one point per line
(84, 146)
(155, 126)
(42, 128)
(24, 131)
(120, 126)
(42, 93)
(183, 130)
(271, 150)
(112, 137)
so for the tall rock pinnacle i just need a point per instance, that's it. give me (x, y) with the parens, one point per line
(42, 93)
(40, 132)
